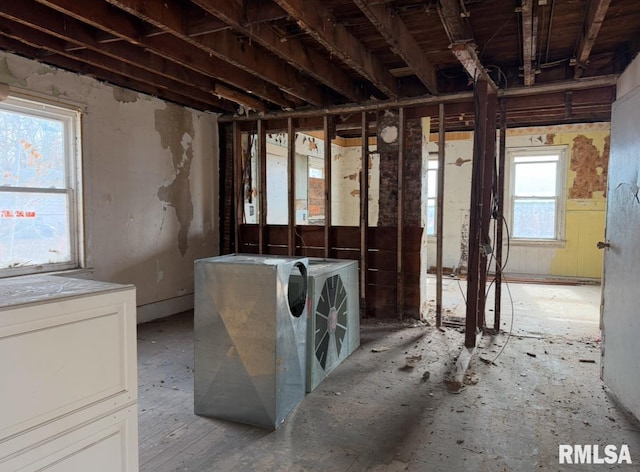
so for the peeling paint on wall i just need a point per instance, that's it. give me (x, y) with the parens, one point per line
(175, 126)
(551, 137)
(460, 161)
(353, 176)
(590, 167)
(7, 76)
(125, 96)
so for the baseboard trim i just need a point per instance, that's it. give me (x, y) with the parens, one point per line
(164, 308)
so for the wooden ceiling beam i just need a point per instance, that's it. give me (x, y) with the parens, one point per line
(291, 50)
(396, 33)
(528, 43)
(75, 33)
(171, 16)
(100, 15)
(56, 46)
(315, 19)
(462, 47)
(596, 11)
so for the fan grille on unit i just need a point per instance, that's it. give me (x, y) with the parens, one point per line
(330, 318)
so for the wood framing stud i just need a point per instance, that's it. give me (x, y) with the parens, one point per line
(364, 211)
(400, 217)
(440, 213)
(596, 12)
(328, 135)
(291, 189)
(262, 186)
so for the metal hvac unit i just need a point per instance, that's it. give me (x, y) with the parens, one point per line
(250, 332)
(333, 331)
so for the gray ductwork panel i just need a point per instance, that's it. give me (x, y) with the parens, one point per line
(250, 337)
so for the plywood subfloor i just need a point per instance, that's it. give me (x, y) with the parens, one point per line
(372, 414)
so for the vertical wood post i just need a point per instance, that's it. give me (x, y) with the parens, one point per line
(291, 193)
(327, 186)
(238, 199)
(500, 216)
(440, 214)
(400, 220)
(364, 210)
(262, 186)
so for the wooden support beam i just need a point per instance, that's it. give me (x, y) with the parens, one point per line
(291, 186)
(238, 197)
(528, 42)
(314, 17)
(255, 13)
(246, 101)
(396, 33)
(449, 11)
(170, 16)
(497, 311)
(262, 186)
(364, 212)
(488, 172)
(473, 287)
(400, 217)
(100, 15)
(596, 12)
(465, 52)
(440, 214)
(292, 50)
(328, 135)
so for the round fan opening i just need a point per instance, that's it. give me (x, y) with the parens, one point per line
(297, 289)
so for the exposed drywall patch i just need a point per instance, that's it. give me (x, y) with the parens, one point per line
(175, 126)
(7, 76)
(590, 167)
(123, 95)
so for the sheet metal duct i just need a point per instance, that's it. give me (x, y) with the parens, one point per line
(250, 337)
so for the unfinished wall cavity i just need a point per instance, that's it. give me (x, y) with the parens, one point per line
(175, 126)
(150, 183)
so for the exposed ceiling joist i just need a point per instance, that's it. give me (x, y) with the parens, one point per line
(528, 42)
(290, 49)
(171, 17)
(462, 47)
(315, 18)
(395, 32)
(596, 11)
(101, 15)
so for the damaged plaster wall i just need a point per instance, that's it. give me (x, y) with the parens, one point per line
(149, 183)
(587, 160)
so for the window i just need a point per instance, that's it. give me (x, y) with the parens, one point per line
(432, 195)
(39, 189)
(536, 190)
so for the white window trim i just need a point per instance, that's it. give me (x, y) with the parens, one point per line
(71, 115)
(561, 192)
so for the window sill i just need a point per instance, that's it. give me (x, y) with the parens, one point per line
(538, 242)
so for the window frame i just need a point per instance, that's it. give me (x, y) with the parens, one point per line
(71, 117)
(431, 158)
(560, 197)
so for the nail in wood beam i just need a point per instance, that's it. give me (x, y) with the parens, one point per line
(400, 227)
(291, 193)
(328, 134)
(262, 189)
(364, 211)
(500, 217)
(440, 214)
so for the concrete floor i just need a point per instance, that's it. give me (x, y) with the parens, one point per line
(372, 414)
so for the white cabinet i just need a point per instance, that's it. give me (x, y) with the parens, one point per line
(69, 379)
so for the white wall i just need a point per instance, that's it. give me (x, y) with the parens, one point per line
(620, 321)
(150, 183)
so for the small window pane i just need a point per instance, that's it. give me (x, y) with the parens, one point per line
(534, 219)
(548, 158)
(32, 152)
(431, 217)
(536, 179)
(432, 186)
(34, 229)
